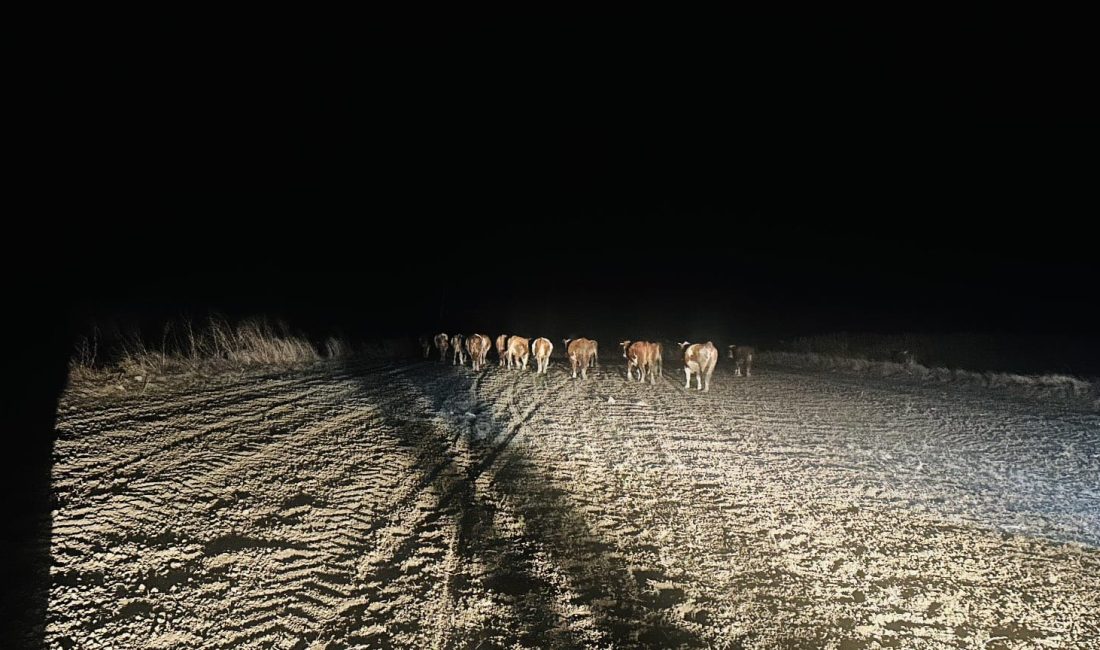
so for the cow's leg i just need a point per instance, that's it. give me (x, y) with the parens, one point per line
(699, 380)
(687, 371)
(652, 379)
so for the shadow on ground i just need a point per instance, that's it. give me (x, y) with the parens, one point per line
(520, 540)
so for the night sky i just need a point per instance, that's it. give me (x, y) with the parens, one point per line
(799, 178)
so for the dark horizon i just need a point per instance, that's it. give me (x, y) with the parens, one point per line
(800, 178)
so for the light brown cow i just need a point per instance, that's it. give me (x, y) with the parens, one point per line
(742, 359)
(699, 358)
(659, 358)
(441, 344)
(426, 346)
(478, 346)
(581, 352)
(519, 350)
(541, 348)
(458, 352)
(639, 355)
(502, 349)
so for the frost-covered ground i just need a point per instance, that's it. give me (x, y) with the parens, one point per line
(421, 505)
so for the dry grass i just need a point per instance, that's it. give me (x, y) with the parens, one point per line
(130, 361)
(1048, 385)
(1002, 353)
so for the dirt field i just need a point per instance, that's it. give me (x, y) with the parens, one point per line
(418, 505)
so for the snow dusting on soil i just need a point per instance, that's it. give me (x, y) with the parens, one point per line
(423, 505)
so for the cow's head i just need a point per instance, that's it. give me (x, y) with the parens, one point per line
(625, 345)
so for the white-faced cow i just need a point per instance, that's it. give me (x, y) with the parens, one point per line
(541, 349)
(699, 358)
(426, 346)
(478, 346)
(502, 349)
(458, 352)
(441, 344)
(742, 359)
(639, 355)
(519, 350)
(580, 352)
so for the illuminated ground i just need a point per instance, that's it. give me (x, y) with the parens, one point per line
(421, 505)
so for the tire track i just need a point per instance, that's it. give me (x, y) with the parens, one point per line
(422, 505)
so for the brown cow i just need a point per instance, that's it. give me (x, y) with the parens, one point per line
(426, 346)
(742, 359)
(699, 358)
(659, 358)
(457, 351)
(640, 355)
(541, 348)
(502, 349)
(519, 350)
(581, 352)
(478, 346)
(441, 343)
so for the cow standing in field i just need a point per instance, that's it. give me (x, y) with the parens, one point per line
(426, 346)
(639, 355)
(699, 358)
(519, 350)
(659, 358)
(742, 359)
(458, 352)
(441, 344)
(541, 349)
(478, 346)
(502, 349)
(580, 352)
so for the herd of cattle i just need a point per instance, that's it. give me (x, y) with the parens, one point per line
(643, 357)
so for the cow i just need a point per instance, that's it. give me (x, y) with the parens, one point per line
(581, 352)
(742, 359)
(639, 355)
(699, 358)
(658, 358)
(502, 349)
(519, 350)
(441, 343)
(541, 348)
(903, 356)
(478, 346)
(457, 351)
(426, 346)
